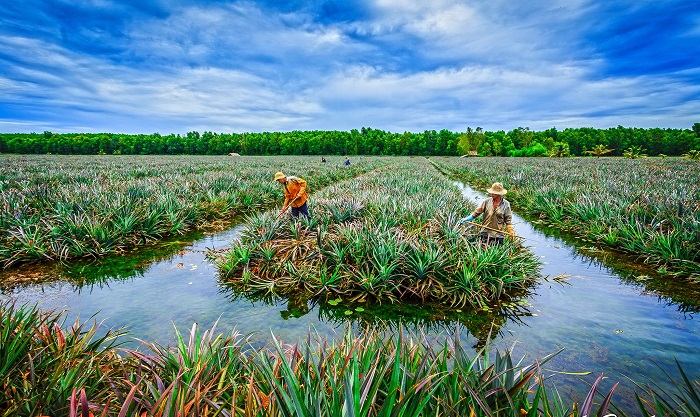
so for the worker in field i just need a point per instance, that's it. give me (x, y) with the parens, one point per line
(497, 216)
(294, 194)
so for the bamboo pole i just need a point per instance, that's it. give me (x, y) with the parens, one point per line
(491, 229)
(284, 210)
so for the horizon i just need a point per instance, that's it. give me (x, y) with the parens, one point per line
(506, 131)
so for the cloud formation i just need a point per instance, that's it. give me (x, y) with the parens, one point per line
(398, 65)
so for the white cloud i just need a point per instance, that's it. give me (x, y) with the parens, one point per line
(237, 68)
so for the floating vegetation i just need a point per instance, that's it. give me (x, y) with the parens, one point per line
(388, 235)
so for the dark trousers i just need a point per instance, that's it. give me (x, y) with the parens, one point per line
(486, 240)
(303, 209)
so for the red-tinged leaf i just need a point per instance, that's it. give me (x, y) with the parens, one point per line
(127, 402)
(606, 402)
(588, 403)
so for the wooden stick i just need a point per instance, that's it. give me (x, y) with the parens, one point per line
(491, 229)
(284, 210)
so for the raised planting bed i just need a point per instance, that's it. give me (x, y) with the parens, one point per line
(389, 235)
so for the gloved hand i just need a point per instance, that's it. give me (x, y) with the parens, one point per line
(465, 219)
(509, 229)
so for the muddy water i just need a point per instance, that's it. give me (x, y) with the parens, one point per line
(610, 315)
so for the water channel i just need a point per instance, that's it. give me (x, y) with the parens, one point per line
(609, 316)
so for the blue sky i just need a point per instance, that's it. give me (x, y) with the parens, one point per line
(173, 66)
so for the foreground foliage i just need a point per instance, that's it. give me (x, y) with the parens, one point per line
(69, 207)
(370, 373)
(646, 207)
(41, 363)
(388, 235)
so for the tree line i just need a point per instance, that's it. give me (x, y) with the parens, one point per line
(366, 141)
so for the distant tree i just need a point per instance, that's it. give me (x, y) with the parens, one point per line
(497, 147)
(486, 149)
(463, 144)
(634, 152)
(549, 143)
(693, 154)
(559, 150)
(522, 137)
(599, 150)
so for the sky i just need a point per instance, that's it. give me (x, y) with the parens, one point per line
(175, 66)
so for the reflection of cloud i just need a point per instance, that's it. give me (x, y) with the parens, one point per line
(388, 64)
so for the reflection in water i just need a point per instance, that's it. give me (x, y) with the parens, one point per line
(297, 306)
(88, 275)
(681, 294)
(483, 323)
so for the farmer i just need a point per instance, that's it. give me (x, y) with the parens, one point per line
(294, 194)
(497, 216)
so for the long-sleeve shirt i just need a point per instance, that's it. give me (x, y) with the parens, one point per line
(494, 217)
(293, 188)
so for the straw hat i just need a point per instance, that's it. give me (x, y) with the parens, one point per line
(279, 176)
(497, 188)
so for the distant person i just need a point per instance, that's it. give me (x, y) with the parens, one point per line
(294, 195)
(497, 216)
(323, 160)
(347, 161)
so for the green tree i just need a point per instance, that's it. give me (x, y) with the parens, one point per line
(634, 152)
(599, 150)
(559, 150)
(522, 137)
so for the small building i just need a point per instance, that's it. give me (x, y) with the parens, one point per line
(233, 154)
(470, 153)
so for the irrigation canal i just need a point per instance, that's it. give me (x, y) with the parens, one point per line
(609, 316)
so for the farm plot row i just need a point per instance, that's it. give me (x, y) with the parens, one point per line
(388, 235)
(61, 207)
(647, 207)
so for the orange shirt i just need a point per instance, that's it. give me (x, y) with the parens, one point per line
(293, 188)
